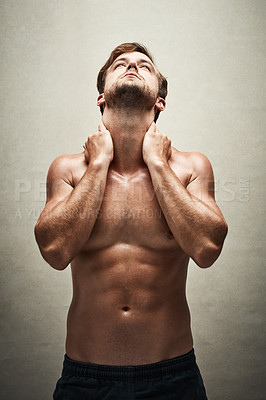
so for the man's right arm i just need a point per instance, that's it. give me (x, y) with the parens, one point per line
(69, 215)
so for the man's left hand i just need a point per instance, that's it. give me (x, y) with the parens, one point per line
(156, 146)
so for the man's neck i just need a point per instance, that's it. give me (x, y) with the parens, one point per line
(127, 128)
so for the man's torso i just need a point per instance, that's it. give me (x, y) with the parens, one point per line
(129, 305)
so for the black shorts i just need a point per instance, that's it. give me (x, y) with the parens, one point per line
(178, 378)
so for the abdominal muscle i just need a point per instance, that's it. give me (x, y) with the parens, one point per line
(129, 306)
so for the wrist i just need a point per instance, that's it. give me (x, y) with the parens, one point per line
(157, 163)
(100, 162)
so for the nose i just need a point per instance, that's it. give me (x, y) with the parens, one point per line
(132, 64)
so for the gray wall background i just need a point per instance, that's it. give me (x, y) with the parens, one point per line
(213, 53)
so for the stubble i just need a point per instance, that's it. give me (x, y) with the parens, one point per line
(130, 95)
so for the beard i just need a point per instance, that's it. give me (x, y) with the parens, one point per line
(130, 96)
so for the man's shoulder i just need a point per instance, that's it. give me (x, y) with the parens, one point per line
(68, 160)
(193, 161)
(194, 157)
(66, 163)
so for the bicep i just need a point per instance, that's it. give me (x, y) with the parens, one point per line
(202, 184)
(59, 184)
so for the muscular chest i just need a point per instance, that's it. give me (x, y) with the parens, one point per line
(130, 208)
(130, 213)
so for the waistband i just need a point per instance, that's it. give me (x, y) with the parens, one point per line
(117, 372)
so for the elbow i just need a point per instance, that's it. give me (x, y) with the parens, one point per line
(54, 257)
(205, 256)
(208, 252)
(51, 252)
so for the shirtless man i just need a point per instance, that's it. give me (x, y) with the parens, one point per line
(128, 213)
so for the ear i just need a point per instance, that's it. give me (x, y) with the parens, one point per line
(160, 104)
(101, 100)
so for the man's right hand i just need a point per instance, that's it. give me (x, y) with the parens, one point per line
(99, 146)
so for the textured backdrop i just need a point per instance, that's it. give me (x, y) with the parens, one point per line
(213, 53)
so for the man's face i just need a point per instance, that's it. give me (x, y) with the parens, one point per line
(132, 68)
(131, 81)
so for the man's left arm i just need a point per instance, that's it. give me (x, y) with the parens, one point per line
(191, 212)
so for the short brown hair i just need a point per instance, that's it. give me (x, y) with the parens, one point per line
(125, 48)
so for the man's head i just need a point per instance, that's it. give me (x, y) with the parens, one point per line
(122, 53)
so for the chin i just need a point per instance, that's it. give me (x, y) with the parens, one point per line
(130, 94)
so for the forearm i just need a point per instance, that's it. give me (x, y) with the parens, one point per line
(197, 228)
(62, 230)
